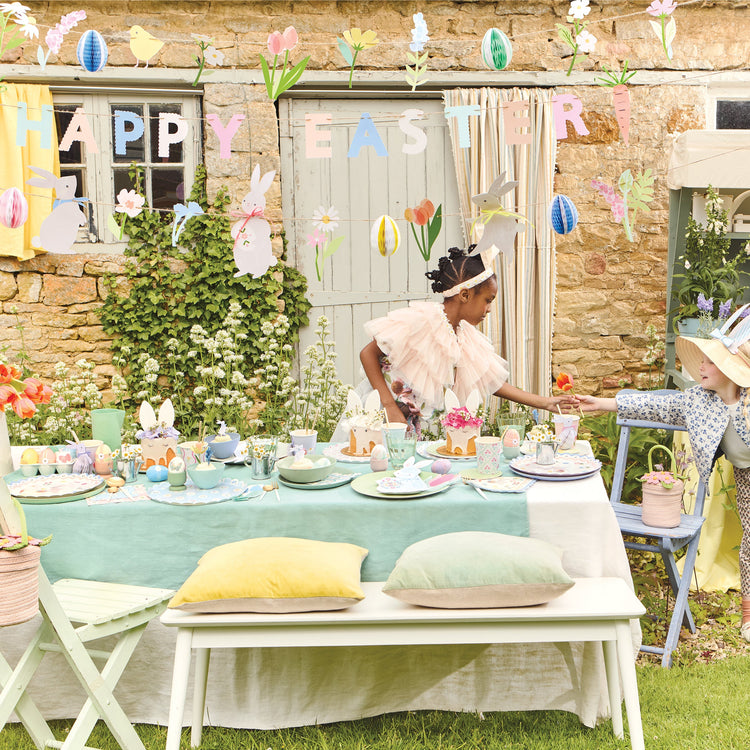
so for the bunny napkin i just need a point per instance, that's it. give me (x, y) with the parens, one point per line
(406, 479)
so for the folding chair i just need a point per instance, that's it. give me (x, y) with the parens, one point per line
(664, 541)
(98, 610)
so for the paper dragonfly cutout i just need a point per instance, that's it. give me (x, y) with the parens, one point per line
(500, 226)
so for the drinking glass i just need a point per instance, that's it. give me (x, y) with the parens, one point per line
(261, 455)
(400, 447)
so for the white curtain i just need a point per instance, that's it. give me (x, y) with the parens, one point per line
(520, 325)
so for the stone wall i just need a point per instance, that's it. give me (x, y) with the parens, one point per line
(608, 289)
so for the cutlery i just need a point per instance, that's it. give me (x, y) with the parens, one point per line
(479, 491)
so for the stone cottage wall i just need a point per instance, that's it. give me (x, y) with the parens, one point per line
(608, 290)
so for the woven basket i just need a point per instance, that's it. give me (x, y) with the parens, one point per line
(19, 585)
(662, 506)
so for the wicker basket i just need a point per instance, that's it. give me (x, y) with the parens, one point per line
(662, 506)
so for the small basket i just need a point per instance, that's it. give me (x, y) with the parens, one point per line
(662, 506)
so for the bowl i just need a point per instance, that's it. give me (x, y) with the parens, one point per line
(303, 476)
(223, 448)
(205, 478)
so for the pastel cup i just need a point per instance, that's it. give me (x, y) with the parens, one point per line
(566, 429)
(306, 439)
(400, 448)
(489, 450)
(394, 428)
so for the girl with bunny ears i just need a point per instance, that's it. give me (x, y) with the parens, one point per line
(715, 413)
(418, 351)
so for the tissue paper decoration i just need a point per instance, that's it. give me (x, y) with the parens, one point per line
(143, 44)
(497, 50)
(14, 208)
(563, 214)
(92, 51)
(384, 236)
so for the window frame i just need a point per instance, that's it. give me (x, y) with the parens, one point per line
(725, 91)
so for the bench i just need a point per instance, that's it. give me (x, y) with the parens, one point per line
(595, 609)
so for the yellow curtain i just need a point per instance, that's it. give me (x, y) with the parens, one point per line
(15, 163)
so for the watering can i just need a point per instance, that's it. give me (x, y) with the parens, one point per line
(546, 451)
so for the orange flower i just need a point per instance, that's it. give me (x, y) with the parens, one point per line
(6, 394)
(38, 392)
(564, 382)
(8, 373)
(23, 406)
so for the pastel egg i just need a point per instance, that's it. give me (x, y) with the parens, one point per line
(511, 439)
(440, 466)
(64, 457)
(47, 456)
(497, 50)
(14, 208)
(156, 473)
(563, 214)
(29, 456)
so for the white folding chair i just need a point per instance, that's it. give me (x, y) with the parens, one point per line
(664, 541)
(75, 612)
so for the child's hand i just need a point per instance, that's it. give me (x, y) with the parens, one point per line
(394, 413)
(592, 403)
(566, 404)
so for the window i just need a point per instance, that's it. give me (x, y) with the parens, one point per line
(167, 179)
(728, 106)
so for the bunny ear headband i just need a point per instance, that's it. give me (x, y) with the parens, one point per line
(727, 349)
(487, 255)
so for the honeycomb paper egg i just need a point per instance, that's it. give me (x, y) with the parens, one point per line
(563, 214)
(511, 439)
(441, 466)
(497, 50)
(29, 456)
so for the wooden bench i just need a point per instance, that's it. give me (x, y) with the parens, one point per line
(595, 609)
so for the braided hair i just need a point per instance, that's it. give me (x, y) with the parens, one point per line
(457, 267)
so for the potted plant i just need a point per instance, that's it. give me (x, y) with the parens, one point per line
(710, 271)
(662, 493)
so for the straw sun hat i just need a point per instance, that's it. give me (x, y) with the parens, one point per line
(729, 351)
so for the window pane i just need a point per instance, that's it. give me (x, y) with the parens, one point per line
(733, 114)
(167, 187)
(81, 192)
(122, 182)
(175, 149)
(135, 150)
(63, 116)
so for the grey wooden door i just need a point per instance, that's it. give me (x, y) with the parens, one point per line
(357, 282)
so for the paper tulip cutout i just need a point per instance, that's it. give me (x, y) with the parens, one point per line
(14, 208)
(92, 51)
(497, 50)
(563, 214)
(277, 43)
(384, 236)
(425, 215)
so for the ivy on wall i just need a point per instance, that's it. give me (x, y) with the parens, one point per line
(167, 290)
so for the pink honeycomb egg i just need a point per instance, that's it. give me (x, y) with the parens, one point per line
(14, 208)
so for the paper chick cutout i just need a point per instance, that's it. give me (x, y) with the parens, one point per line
(59, 230)
(252, 234)
(500, 226)
(636, 193)
(143, 45)
(181, 215)
(620, 95)
(384, 236)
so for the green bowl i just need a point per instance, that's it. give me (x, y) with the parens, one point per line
(304, 476)
(206, 479)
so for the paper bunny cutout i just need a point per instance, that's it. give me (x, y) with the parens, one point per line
(59, 230)
(150, 422)
(354, 403)
(252, 234)
(500, 226)
(473, 402)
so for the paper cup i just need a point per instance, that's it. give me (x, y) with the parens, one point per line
(489, 450)
(306, 439)
(566, 429)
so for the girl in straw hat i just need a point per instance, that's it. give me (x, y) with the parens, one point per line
(716, 414)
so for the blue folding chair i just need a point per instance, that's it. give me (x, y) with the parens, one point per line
(664, 541)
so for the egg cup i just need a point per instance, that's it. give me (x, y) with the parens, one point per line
(29, 470)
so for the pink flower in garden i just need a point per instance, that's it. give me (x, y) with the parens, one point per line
(129, 202)
(275, 43)
(661, 8)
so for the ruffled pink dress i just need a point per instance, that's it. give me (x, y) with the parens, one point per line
(428, 356)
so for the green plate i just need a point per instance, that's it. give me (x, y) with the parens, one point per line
(367, 484)
(337, 478)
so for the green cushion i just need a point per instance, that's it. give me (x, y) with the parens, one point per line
(472, 569)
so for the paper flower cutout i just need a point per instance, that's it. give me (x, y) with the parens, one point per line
(129, 203)
(664, 30)
(384, 236)
(14, 208)
(636, 192)
(14, 18)
(92, 51)
(355, 40)
(321, 240)
(181, 215)
(497, 50)
(620, 96)
(143, 44)
(425, 215)
(207, 55)
(278, 43)
(419, 37)
(54, 37)
(579, 40)
(563, 214)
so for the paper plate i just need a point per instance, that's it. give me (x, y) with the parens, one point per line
(581, 448)
(226, 489)
(367, 484)
(433, 450)
(56, 488)
(335, 479)
(503, 484)
(567, 467)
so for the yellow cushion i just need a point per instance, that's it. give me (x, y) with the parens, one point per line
(274, 574)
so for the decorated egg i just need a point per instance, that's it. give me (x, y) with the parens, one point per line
(103, 459)
(156, 473)
(441, 466)
(511, 438)
(378, 458)
(47, 456)
(14, 208)
(563, 214)
(92, 51)
(64, 457)
(384, 236)
(497, 50)
(29, 456)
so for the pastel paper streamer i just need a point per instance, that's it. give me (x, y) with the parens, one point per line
(14, 208)
(462, 115)
(420, 137)
(42, 126)
(573, 114)
(314, 138)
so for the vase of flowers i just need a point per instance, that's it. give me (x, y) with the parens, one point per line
(711, 277)
(662, 493)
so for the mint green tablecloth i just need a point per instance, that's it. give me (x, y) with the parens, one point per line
(153, 544)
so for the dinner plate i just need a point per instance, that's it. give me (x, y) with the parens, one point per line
(581, 448)
(503, 484)
(335, 479)
(226, 489)
(431, 450)
(56, 488)
(564, 468)
(367, 484)
(335, 450)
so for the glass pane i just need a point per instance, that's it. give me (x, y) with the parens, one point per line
(63, 116)
(175, 149)
(732, 115)
(135, 150)
(167, 187)
(122, 182)
(81, 192)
